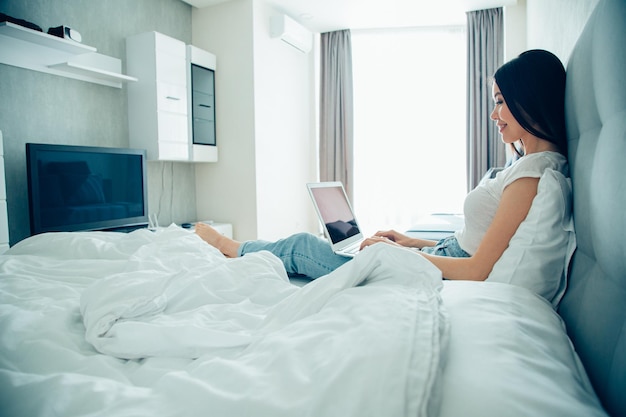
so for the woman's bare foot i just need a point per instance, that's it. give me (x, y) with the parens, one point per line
(226, 245)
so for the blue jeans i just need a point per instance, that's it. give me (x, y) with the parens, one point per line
(304, 254)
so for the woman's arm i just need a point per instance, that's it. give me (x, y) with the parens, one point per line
(513, 209)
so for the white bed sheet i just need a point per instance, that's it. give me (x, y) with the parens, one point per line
(368, 339)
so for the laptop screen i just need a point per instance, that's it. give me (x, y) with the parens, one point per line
(335, 211)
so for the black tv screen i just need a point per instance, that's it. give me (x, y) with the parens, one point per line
(72, 188)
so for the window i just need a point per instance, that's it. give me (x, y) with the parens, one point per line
(409, 124)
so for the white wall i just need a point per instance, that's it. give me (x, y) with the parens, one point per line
(514, 30)
(226, 190)
(555, 25)
(547, 24)
(265, 112)
(285, 131)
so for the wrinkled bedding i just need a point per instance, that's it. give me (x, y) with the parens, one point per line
(161, 324)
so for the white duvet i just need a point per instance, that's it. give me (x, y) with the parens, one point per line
(161, 324)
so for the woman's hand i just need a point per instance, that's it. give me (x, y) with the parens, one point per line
(377, 239)
(397, 237)
(390, 237)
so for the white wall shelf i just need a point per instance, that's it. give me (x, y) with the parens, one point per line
(27, 48)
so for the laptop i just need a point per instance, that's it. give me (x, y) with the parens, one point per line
(336, 215)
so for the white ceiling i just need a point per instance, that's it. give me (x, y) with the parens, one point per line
(329, 15)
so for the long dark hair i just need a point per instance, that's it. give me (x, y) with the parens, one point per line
(533, 86)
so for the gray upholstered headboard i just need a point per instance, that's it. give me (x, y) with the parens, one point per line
(594, 307)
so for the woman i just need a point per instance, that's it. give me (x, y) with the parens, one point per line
(529, 94)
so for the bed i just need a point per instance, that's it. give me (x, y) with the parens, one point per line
(157, 323)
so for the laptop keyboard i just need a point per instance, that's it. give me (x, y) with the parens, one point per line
(353, 249)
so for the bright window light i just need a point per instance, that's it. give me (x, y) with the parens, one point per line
(410, 124)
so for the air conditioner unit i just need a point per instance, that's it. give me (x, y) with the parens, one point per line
(291, 32)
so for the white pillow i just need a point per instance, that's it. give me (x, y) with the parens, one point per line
(509, 355)
(539, 253)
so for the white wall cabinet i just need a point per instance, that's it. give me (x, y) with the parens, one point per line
(158, 102)
(27, 48)
(166, 115)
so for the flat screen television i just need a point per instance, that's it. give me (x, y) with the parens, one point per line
(72, 188)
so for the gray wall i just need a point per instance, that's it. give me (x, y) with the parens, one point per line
(38, 107)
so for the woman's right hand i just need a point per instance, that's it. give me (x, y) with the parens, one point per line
(377, 239)
(399, 238)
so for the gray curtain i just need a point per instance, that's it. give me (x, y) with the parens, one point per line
(484, 55)
(336, 109)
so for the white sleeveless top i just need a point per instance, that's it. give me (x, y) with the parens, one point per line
(482, 202)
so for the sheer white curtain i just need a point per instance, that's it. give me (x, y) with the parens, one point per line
(409, 124)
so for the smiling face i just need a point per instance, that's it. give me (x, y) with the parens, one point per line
(510, 130)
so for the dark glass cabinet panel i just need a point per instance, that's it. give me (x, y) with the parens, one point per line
(203, 105)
